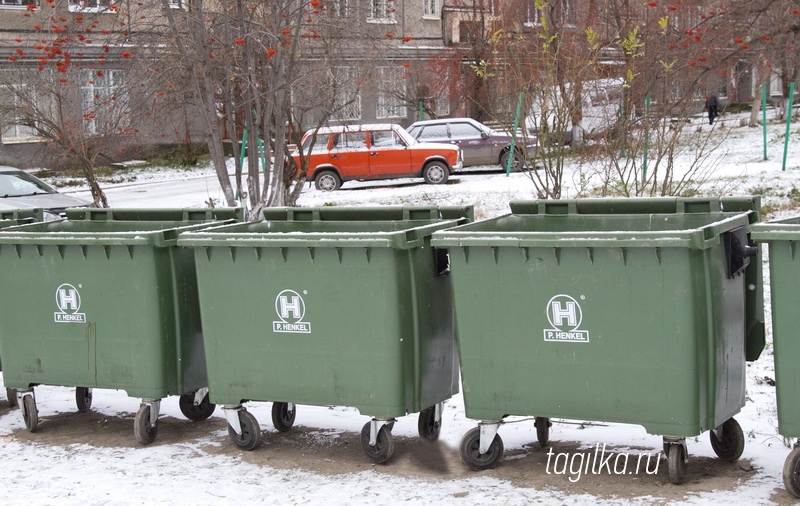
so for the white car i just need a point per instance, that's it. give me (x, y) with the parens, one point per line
(20, 190)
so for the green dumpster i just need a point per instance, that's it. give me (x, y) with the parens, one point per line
(14, 218)
(105, 299)
(329, 306)
(781, 238)
(635, 308)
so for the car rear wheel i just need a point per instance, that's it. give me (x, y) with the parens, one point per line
(327, 181)
(436, 172)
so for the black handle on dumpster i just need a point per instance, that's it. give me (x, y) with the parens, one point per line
(441, 262)
(738, 251)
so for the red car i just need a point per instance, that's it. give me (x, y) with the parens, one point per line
(379, 151)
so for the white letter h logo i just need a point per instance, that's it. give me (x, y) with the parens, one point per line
(68, 300)
(561, 313)
(293, 307)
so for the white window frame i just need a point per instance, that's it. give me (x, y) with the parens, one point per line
(381, 11)
(388, 105)
(17, 4)
(431, 9)
(338, 8)
(532, 14)
(11, 130)
(347, 101)
(92, 5)
(96, 99)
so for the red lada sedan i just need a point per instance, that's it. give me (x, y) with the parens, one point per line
(377, 151)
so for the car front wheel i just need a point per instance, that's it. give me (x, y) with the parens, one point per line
(436, 173)
(516, 163)
(327, 181)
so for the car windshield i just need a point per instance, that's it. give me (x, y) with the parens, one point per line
(21, 184)
(407, 138)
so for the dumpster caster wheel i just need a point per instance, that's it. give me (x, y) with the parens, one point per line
(542, 430)
(195, 413)
(250, 437)
(31, 414)
(83, 399)
(427, 426)
(730, 445)
(283, 414)
(791, 473)
(384, 445)
(676, 460)
(11, 395)
(144, 431)
(470, 451)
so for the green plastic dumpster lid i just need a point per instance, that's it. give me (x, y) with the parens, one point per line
(668, 222)
(387, 227)
(396, 213)
(158, 227)
(786, 229)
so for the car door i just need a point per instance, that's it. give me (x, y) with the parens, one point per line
(476, 149)
(350, 154)
(389, 154)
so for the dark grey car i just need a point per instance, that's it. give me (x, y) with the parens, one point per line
(20, 190)
(480, 145)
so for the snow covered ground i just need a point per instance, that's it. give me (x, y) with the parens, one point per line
(190, 471)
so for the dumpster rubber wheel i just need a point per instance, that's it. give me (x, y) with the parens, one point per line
(251, 432)
(11, 395)
(731, 445)
(542, 425)
(83, 399)
(145, 432)
(676, 463)
(31, 415)
(470, 451)
(282, 418)
(791, 473)
(196, 413)
(427, 426)
(384, 445)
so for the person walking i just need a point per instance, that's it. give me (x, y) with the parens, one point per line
(712, 105)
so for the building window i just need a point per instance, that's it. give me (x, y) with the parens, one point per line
(17, 3)
(430, 8)
(14, 122)
(533, 16)
(346, 95)
(391, 103)
(338, 8)
(381, 11)
(93, 5)
(177, 4)
(105, 102)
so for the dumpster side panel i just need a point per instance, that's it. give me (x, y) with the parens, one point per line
(432, 325)
(607, 334)
(92, 319)
(317, 326)
(784, 282)
(190, 366)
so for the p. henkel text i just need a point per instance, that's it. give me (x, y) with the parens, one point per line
(573, 336)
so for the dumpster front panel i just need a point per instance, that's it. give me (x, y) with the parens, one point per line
(646, 335)
(330, 323)
(289, 327)
(92, 318)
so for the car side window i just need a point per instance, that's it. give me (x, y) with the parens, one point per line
(351, 140)
(385, 139)
(464, 131)
(320, 144)
(431, 132)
